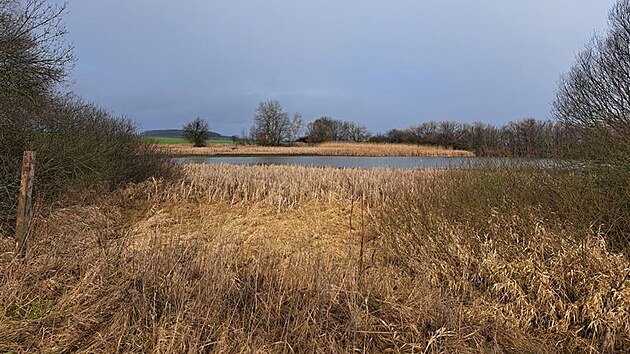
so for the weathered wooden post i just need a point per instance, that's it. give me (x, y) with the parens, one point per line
(24, 211)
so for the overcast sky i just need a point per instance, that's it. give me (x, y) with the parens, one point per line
(386, 64)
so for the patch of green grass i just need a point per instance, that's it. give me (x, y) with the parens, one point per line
(33, 311)
(159, 140)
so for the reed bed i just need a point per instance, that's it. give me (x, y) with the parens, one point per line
(288, 186)
(279, 259)
(324, 149)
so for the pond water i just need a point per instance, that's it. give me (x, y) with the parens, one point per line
(366, 162)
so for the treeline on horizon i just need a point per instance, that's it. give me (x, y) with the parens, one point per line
(527, 137)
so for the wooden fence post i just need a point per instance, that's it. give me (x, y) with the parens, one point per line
(24, 211)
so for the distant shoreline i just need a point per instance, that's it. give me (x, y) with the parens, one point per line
(325, 149)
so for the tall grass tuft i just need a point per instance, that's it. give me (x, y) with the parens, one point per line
(516, 253)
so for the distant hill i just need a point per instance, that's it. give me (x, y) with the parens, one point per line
(176, 133)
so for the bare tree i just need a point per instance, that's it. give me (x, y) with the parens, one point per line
(197, 132)
(426, 133)
(594, 96)
(528, 137)
(34, 55)
(323, 129)
(593, 100)
(355, 132)
(449, 133)
(296, 127)
(329, 129)
(272, 125)
(34, 58)
(485, 139)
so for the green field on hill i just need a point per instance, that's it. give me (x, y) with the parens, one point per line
(160, 140)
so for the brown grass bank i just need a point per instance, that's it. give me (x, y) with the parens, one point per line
(324, 149)
(283, 259)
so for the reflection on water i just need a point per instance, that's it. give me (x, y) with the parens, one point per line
(369, 162)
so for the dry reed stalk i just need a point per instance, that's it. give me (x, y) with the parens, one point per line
(287, 186)
(324, 149)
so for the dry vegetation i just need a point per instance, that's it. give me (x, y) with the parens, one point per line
(290, 259)
(324, 149)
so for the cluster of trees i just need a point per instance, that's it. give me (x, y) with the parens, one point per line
(528, 137)
(329, 129)
(272, 126)
(78, 144)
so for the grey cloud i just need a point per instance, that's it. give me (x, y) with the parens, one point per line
(382, 63)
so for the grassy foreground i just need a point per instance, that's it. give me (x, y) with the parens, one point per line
(324, 149)
(281, 259)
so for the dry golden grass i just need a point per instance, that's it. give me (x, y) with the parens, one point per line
(325, 149)
(288, 186)
(281, 259)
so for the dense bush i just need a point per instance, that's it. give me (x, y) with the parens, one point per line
(78, 145)
(593, 98)
(579, 201)
(516, 251)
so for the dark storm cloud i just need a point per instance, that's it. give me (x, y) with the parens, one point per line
(382, 63)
